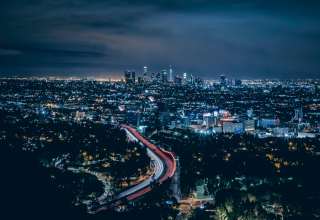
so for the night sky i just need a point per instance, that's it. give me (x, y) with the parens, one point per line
(243, 39)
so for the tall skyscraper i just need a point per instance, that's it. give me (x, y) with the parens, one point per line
(164, 76)
(127, 76)
(145, 70)
(158, 77)
(171, 79)
(191, 80)
(145, 73)
(184, 78)
(133, 76)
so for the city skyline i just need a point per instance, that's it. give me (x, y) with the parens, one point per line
(248, 39)
(153, 148)
(162, 110)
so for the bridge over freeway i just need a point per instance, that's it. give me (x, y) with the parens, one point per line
(164, 168)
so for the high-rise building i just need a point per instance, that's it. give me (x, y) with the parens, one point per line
(145, 70)
(127, 76)
(171, 79)
(164, 76)
(158, 77)
(237, 82)
(178, 80)
(198, 81)
(140, 80)
(133, 76)
(145, 73)
(223, 80)
(191, 79)
(184, 78)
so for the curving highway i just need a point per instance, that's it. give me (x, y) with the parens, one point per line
(164, 162)
(158, 170)
(164, 168)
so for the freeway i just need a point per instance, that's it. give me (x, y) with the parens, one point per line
(158, 170)
(164, 168)
(164, 162)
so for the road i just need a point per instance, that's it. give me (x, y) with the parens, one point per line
(158, 170)
(164, 168)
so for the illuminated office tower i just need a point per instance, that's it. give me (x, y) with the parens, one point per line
(145, 73)
(129, 76)
(171, 79)
(164, 76)
(191, 79)
(184, 78)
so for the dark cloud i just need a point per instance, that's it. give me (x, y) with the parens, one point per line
(248, 38)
